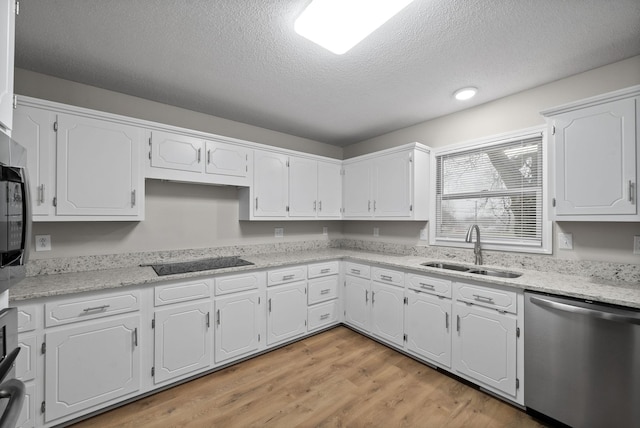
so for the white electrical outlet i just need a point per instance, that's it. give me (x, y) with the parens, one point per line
(565, 241)
(43, 242)
(636, 245)
(279, 232)
(325, 230)
(376, 231)
(424, 234)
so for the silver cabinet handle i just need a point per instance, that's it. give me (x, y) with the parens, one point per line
(208, 157)
(484, 299)
(218, 317)
(135, 337)
(374, 206)
(319, 205)
(315, 203)
(325, 291)
(41, 194)
(325, 270)
(369, 206)
(427, 286)
(133, 198)
(256, 203)
(386, 278)
(373, 297)
(446, 320)
(287, 277)
(199, 155)
(632, 192)
(324, 317)
(208, 319)
(96, 308)
(458, 323)
(366, 296)
(269, 305)
(355, 271)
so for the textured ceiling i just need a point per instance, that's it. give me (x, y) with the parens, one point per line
(241, 59)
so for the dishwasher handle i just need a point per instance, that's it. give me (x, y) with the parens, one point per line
(595, 313)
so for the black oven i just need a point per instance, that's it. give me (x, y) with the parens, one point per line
(12, 390)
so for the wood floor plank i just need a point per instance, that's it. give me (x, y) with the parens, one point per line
(338, 378)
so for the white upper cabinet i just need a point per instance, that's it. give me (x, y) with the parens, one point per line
(98, 167)
(271, 184)
(227, 160)
(596, 158)
(7, 45)
(389, 185)
(329, 190)
(175, 151)
(303, 185)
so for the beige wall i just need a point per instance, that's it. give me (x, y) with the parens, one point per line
(592, 241)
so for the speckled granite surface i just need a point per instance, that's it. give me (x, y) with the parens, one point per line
(598, 281)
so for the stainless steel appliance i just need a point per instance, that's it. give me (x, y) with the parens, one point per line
(582, 361)
(15, 212)
(12, 391)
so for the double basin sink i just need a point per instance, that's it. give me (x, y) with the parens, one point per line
(474, 270)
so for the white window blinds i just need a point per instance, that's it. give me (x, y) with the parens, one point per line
(498, 187)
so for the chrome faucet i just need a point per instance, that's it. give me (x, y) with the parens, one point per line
(476, 248)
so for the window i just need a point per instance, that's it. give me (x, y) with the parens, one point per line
(497, 185)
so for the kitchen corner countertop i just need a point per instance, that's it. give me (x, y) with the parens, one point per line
(614, 292)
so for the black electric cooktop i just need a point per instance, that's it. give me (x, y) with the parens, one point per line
(198, 265)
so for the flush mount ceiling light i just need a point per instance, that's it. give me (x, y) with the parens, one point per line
(465, 93)
(339, 25)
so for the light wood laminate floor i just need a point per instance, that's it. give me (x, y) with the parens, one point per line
(338, 378)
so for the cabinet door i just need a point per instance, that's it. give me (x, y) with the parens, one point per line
(356, 302)
(27, 418)
(7, 46)
(392, 185)
(484, 346)
(271, 184)
(227, 159)
(182, 340)
(303, 187)
(175, 151)
(357, 190)
(33, 129)
(98, 167)
(387, 312)
(329, 190)
(428, 325)
(237, 325)
(91, 364)
(596, 160)
(286, 312)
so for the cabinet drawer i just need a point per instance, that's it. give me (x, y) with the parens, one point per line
(357, 269)
(426, 284)
(387, 276)
(322, 269)
(322, 289)
(87, 308)
(290, 274)
(27, 318)
(181, 292)
(323, 315)
(236, 283)
(502, 300)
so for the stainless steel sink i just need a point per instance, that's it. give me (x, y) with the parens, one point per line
(473, 270)
(447, 266)
(496, 273)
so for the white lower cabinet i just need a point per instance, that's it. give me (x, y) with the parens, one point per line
(91, 364)
(356, 302)
(428, 326)
(387, 312)
(286, 312)
(182, 335)
(484, 346)
(237, 325)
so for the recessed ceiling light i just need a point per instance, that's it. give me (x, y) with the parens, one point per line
(339, 25)
(465, 93)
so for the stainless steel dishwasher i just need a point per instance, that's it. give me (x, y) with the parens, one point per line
(582, 361)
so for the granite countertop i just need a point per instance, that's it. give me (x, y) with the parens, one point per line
(601, 290)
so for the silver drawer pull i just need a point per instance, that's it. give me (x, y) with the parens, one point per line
(324, 317)
(326, 270)
(96, 308)
(288, 277)
(386, 278)
(355, 271)
(485, 299)
(326, 291)
(427, 286)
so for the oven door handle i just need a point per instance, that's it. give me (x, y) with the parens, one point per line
(15, 391)
(595, 313)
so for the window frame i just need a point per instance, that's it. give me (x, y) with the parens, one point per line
(546, 225)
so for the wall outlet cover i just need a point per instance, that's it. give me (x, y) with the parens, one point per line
(376, 231)
(424, 234)
(279, 232)
(43, 242)
(325, 230)
(565, 241)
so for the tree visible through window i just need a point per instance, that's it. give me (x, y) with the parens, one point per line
(498, 187)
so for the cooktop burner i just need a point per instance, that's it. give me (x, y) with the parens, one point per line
(198, 265)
